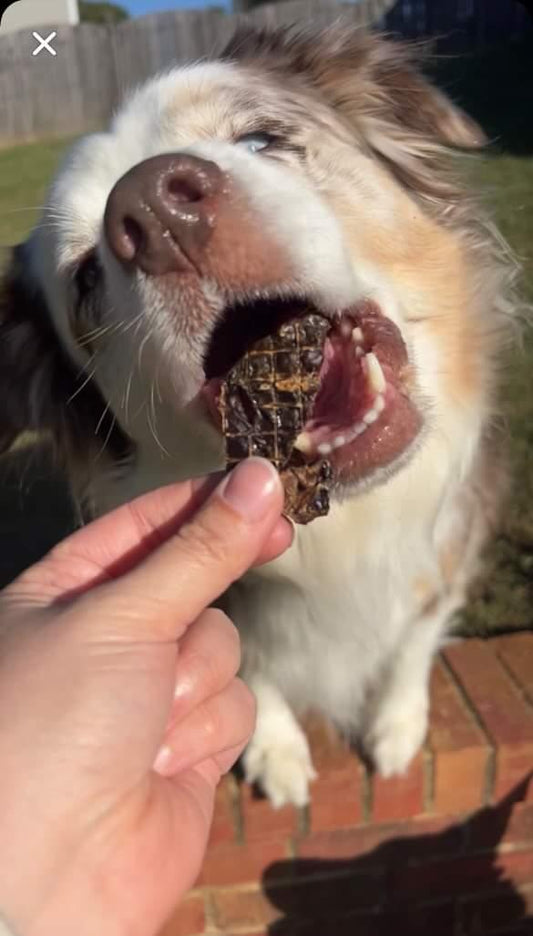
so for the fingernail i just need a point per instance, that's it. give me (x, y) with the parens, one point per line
(250, 488)
(163, 759)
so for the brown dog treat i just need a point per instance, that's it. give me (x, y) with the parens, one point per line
(264, 402)
(306, 491)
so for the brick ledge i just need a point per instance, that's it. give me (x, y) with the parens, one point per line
(448, 848)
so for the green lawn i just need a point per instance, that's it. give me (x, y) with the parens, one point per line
(504, 596)
(25, 172)
(34, 513)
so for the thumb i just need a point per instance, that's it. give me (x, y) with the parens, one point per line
(170, 588)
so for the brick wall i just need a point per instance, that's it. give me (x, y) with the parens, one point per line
(447, 849)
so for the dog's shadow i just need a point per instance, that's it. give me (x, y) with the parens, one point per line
(451, 882)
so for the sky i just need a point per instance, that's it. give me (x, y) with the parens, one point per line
(138, 7)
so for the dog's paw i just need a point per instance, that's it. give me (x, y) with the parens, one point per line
(281, 767)
(394, 737)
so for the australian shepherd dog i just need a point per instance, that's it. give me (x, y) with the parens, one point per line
(297, 170)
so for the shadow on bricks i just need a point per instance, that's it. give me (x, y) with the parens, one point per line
(463, 881)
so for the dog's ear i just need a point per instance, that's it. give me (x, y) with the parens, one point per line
(41, 390)
(378, 83)
(376, 86)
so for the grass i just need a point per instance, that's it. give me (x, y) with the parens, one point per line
(25, 172)
(503, 598)
(498, 89)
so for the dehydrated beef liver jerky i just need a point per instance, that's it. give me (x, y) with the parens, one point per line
(264, 403)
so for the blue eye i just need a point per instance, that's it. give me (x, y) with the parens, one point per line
(255, 142)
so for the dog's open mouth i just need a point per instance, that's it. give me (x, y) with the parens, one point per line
(362, 416)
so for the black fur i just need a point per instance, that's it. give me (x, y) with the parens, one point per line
(40, 387)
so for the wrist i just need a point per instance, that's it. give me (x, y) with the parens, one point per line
(58, 900)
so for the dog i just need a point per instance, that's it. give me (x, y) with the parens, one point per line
(299, 169)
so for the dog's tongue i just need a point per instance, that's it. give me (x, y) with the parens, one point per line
(343, 385)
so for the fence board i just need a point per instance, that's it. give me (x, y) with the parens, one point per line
(96, 65)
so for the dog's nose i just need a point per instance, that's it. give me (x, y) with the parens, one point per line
(160, 215)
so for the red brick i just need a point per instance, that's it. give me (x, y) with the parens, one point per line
(261, 821)
(504, 712)
(381, 844)
(240, 908)
(239, 864)
(342, 843)
(487, 914)
(459, 747)
(399, 797)
(337, 794)
(520, 825)
(188, 919)
(464, 874)
(224, 825)
(516, 651)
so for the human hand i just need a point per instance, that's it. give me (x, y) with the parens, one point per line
(119, 706)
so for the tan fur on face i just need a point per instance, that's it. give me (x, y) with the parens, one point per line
(379, 96)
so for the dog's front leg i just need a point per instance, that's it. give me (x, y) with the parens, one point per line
(397, 719)
(278, 756)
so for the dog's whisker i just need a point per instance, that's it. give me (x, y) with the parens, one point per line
(34, 208)
(82, 386)
(128, 394)
(134, 321)
(96, 333)
(154, 433)
(142, 346)
(158, 388)
(102, 417)
(107, 438)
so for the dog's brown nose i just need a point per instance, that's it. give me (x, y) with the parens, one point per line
(160, 215)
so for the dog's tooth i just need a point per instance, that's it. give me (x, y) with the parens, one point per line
(357, 335)
(346, 328)
(339, 441)
(356, 430)
(375, 373)
(304, 443)
(379, 403)
(370, 417)
(324, 448)
(359, 351)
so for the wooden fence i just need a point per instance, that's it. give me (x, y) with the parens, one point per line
(95, 66)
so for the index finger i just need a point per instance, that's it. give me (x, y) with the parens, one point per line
(168, 590)
(110, 546)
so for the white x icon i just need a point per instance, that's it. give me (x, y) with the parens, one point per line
(44, 43)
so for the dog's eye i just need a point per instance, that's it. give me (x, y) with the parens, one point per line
(256, 142)
(88, 275)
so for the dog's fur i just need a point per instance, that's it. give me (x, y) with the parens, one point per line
(361, 201)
